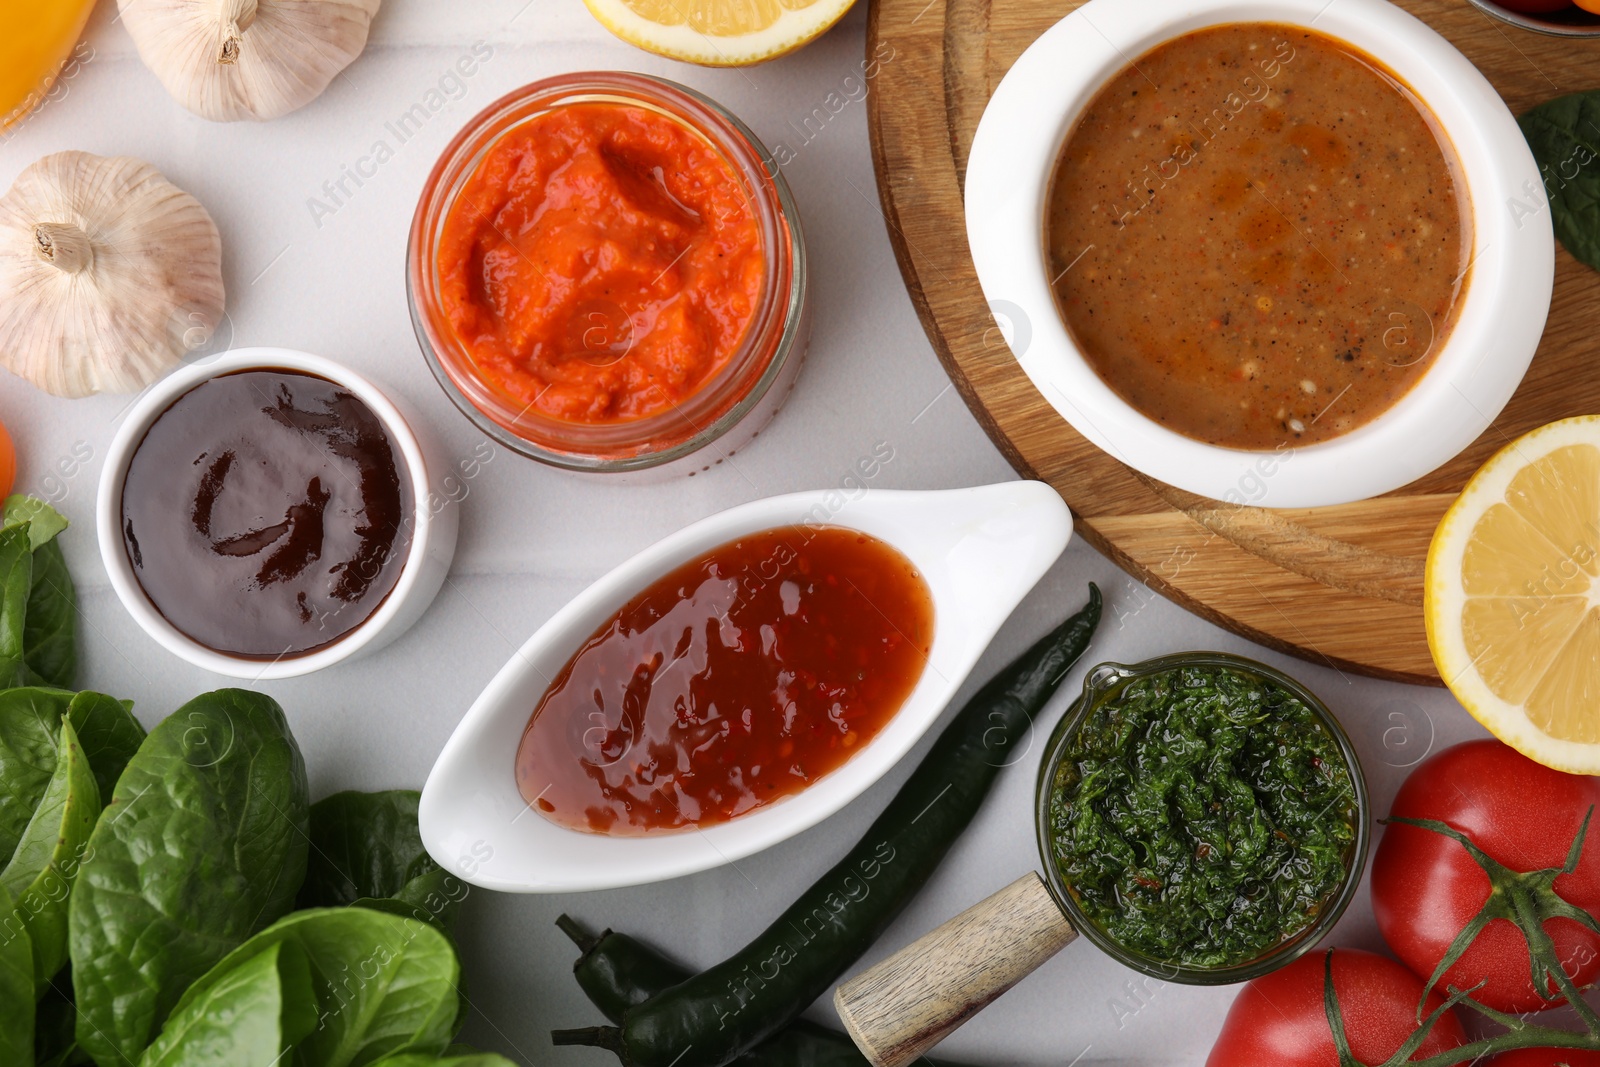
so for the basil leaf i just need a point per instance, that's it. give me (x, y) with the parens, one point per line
(29, 726)
(16, 581)
(1564, 134)
(249, 1015)
(40, 874)
(50, 630)
(16, 990)
(109, 734)
(380, 984)
(204, 844)
(363, 845)
(44, 521)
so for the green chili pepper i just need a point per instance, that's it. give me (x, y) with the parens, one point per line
(617, 972)
(722, 1013)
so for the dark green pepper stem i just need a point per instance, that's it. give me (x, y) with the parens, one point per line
(720, 1014)
(617, 971)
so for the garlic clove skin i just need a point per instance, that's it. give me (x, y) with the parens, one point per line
(109, 274)
(247, 59)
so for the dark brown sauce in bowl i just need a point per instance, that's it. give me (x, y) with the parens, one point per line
(266, 513)
(1258, 236)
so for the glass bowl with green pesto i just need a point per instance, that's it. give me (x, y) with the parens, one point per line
(1202, 817)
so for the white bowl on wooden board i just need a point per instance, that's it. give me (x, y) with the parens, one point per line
(980, 550)
(1481, 361)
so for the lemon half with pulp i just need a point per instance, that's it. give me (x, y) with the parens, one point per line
(1512, 595)
(719, 33)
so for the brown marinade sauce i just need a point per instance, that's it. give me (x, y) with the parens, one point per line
(266, 513)
(1258, 236)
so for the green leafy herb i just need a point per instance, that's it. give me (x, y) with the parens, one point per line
(380, 984)
(204, 844)
(40, 874)
(1564, 134)
(248, 1015)
(109, 734)
(460, 1059)
(1202, 815)
(366, 850)
(38, 643)
(16, 990)
(54, 1042)
(29, 726)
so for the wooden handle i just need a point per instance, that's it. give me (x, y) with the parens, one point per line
(916, 998)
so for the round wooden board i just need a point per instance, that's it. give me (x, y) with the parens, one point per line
(1341, 585)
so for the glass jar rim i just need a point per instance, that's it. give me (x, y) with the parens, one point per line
(718, 403)
(1101, 678)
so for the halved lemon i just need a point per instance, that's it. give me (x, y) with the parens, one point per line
(719, 33)
(1512, 595)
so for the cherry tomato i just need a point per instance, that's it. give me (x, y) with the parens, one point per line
(1279, 1021)
(1594, 6)
(1425, 887)
(1534, 7)
(1545, 1057)
(8, 462)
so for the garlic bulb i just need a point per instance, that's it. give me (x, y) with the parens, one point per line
(247, 59)
(108, 274)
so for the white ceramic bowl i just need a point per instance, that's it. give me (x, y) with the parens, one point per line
(980, 551)
(1481, 361)
(433, 535)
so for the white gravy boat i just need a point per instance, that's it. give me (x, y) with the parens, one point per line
(980, 550)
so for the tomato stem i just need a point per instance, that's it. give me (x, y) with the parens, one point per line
(1526, 898)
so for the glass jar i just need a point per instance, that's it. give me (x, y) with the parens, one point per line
(1098, 684)
(734, 403)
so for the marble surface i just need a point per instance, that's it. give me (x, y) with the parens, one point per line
(322, 271)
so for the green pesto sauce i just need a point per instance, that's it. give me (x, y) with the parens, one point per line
(1202, 815)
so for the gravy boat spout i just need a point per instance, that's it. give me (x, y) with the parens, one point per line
(980, 551)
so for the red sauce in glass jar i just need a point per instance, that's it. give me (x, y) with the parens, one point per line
(737, 679)
(601, 264)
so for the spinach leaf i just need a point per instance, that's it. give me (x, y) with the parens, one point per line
(248, 1015)
(381, 984)
(29, 726)
(109, 734)
(366, 849)
(1564, 134)
(458, 1059)
(54, 1044)
(40, 874)
(362, 845)
(50, 631)
(47, 628)
(16, 581)
(44, 521)
(16, 991)
(204, 844)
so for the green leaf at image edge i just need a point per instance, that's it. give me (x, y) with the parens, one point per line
(1564, 135)
(16, 583)
(248, 1016)
(464, 1059)
(40, 873)
(29, 727)
(203, 845)
(16, 990)
(382, 984)
(44, 522)
(50, 631)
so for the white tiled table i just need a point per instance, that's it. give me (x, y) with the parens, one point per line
(301, 276)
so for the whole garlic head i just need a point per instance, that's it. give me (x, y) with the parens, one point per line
(109, 273)
(247, 59)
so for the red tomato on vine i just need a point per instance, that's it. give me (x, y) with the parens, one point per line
(1545, 1057)
(1427, 887)
(1279, 1019)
